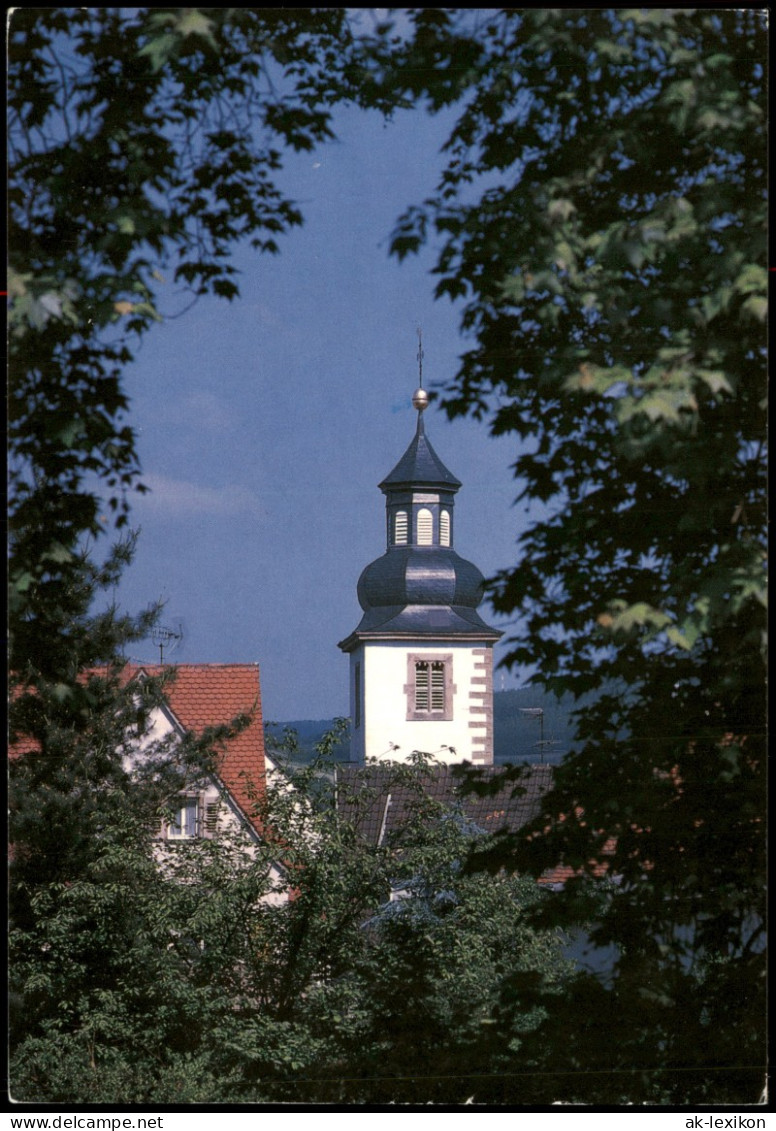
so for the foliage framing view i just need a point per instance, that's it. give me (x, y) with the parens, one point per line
(140, 150)
(612, 277)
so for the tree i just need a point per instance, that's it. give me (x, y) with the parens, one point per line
(94, 962)
(116, 999)
(142, 144)
(183, 983)
(612, 275)
(602, 220)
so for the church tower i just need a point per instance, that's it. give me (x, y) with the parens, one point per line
(421, 659)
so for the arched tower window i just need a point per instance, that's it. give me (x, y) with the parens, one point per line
(400, 528)
(444, 528)
(425, 527)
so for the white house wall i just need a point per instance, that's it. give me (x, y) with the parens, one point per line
(229, 824)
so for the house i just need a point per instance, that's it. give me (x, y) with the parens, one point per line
(197, 697)
(380, 804)
(228, 800)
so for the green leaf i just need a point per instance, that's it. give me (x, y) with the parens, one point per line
(193, 21)
(755, 307)
(69, 432)
(22, 582)
(685, 636)
(159, 50)
(716, 381)
(56, 552)
(753, 279)
(715, 303)
(639, 615)
(560, 210)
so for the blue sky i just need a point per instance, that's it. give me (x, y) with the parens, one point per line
(264, 426)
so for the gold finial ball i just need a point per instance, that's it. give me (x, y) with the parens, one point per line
(420, 399)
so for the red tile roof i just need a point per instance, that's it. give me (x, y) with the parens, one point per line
(563, 872)
(209, 695)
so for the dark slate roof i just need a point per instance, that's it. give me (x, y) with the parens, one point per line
(420, 575)
(420, 591)
(420, 466)
(380, 804)
(415, 621)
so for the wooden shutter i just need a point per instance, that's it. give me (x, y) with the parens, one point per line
(421, 686)
(437, 687)
(210, 818)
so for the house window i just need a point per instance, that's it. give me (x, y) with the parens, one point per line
(400, 528)
(425, 527)
(429, 687)
(444, 528)
(185, 819)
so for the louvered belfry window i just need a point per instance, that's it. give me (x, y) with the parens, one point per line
(400, 529)
(437, 687)
(425, 527)
(444, 528)
(429, 686)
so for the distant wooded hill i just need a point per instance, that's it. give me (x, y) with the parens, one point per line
(529, 726)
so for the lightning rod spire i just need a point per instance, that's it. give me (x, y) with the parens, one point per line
(420, 396)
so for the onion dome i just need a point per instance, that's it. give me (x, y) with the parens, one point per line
(416, 576)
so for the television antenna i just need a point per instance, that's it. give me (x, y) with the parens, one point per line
(535, 713)
(541, 745)
(167, 639)
(538, 713)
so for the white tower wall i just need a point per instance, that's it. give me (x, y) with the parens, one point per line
(385, 723)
